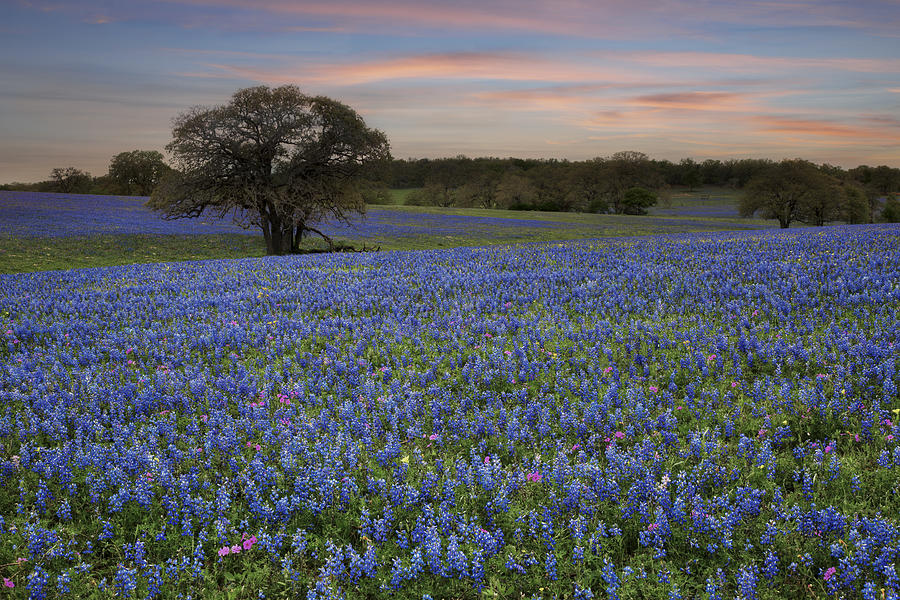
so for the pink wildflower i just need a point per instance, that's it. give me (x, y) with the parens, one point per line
(487, 460)
(654, 389)
(652, 526)
(248, 543)
(828, 448)
(619, 435)
(889, 437)
(535, 477)
(8, 583)
(236, 549)
(829, 573)
(224, 551)
(734, 384)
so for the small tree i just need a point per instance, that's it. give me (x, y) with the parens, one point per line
(70, 180)
(136, 173)
(273, 158)
(637, 200)
(789, 191)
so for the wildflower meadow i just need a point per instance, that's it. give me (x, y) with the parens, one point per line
(707, 415)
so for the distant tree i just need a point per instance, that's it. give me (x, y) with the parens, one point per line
(515, 190)
(637, 200)
(550, 190)
(854, 205)
(713, 172)
(691, 174)
(586, 187)
(136, 173)
(478, 191)
(824, 202)
(791, 190)
(890, 213)
(274, 158)
(879, 183)
(70, 180)
(740, 172)
(625, 170)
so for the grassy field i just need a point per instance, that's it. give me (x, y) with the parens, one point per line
(391, 227)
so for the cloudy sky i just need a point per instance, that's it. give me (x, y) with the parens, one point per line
(573, 79)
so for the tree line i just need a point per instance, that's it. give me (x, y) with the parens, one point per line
(132, 173)
(629, 182)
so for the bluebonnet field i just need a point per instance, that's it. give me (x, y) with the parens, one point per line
(707, 415)
(36, 214)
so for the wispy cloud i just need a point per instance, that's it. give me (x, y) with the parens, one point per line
(695, 101)
(732, 62)
(488, 65)
(620, 19)
(822, 129)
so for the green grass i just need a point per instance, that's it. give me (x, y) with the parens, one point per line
(400, 195)
(19, 254)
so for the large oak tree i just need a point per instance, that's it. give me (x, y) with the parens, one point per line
(274, 158)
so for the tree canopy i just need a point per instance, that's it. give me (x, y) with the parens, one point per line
(137, 172)
(792, 190)
(70, 180)
(274, 158)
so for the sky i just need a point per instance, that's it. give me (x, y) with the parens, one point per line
(83, 81)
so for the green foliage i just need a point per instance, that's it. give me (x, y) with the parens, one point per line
(277, 159)
(637, 200)
(136, 173)
(793, 190)
(890, 213)
(70, 180)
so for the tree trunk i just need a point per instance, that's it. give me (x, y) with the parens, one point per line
(275, 241)
(287, 239)
(297, 238)
(267, 235)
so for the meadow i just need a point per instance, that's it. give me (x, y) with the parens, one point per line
(698, 415)
(44, 231)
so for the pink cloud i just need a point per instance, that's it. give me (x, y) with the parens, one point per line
(611, 18)
(510, 66)
(750, 62)
(697, 101)
(821, 129)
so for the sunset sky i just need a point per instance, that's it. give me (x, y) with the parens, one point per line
(82, 81)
